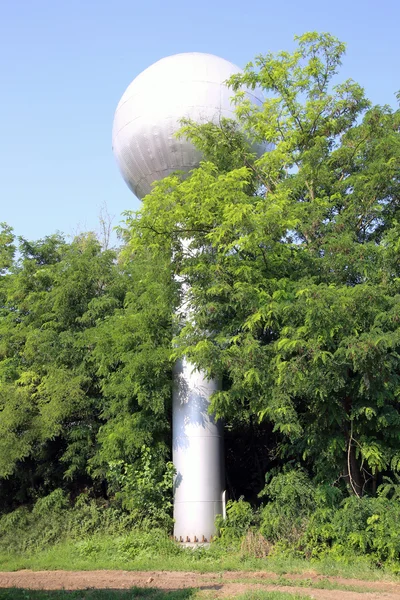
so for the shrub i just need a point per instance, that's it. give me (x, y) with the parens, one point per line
(144, 489)
(364, 526)
(52, 520)
(254, 545)
(292, 500)
(239, 518)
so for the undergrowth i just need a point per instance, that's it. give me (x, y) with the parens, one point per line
(298, 525)
(301, 520)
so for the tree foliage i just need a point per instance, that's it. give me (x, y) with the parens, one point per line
(287, 237)
(80, 386)
(292, 262)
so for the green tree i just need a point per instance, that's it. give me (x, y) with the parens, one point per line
(80, 384)
(293, 262)
(7, 247)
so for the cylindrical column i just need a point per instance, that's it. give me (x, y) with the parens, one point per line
(198, 455)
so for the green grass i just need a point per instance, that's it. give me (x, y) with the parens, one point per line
(133, 594)
(136, 594)
(260, 595)
(91, 537)
(119, 552)
(324, 584)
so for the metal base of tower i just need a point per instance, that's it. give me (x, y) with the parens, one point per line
(198, 456)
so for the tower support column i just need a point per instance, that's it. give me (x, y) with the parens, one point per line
(198, 455)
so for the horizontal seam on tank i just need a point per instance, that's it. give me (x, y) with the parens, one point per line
(198, 436)
(195, 501)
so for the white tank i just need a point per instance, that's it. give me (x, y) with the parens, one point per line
(190, 86)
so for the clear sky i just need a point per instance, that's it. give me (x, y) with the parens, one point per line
(65, 63)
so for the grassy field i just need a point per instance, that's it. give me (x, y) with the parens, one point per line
(138, 594)
(65, 559)
(111, 552)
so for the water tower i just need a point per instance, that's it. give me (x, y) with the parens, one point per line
(190, 85)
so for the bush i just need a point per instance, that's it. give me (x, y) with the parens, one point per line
(239, 518)
(144, 489)
(300, 518)
(314, 521)
(365, 526)
(52, 520)
(292, 500)
(132, 545)
(254, 545)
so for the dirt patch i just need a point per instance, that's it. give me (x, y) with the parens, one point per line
(219, 585)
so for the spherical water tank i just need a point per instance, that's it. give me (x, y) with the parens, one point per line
(190, 85)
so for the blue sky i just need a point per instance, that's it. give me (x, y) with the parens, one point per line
(65, 63)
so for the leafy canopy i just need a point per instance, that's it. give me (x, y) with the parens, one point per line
(292, 261)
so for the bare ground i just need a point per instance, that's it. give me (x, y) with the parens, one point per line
(215, 585)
